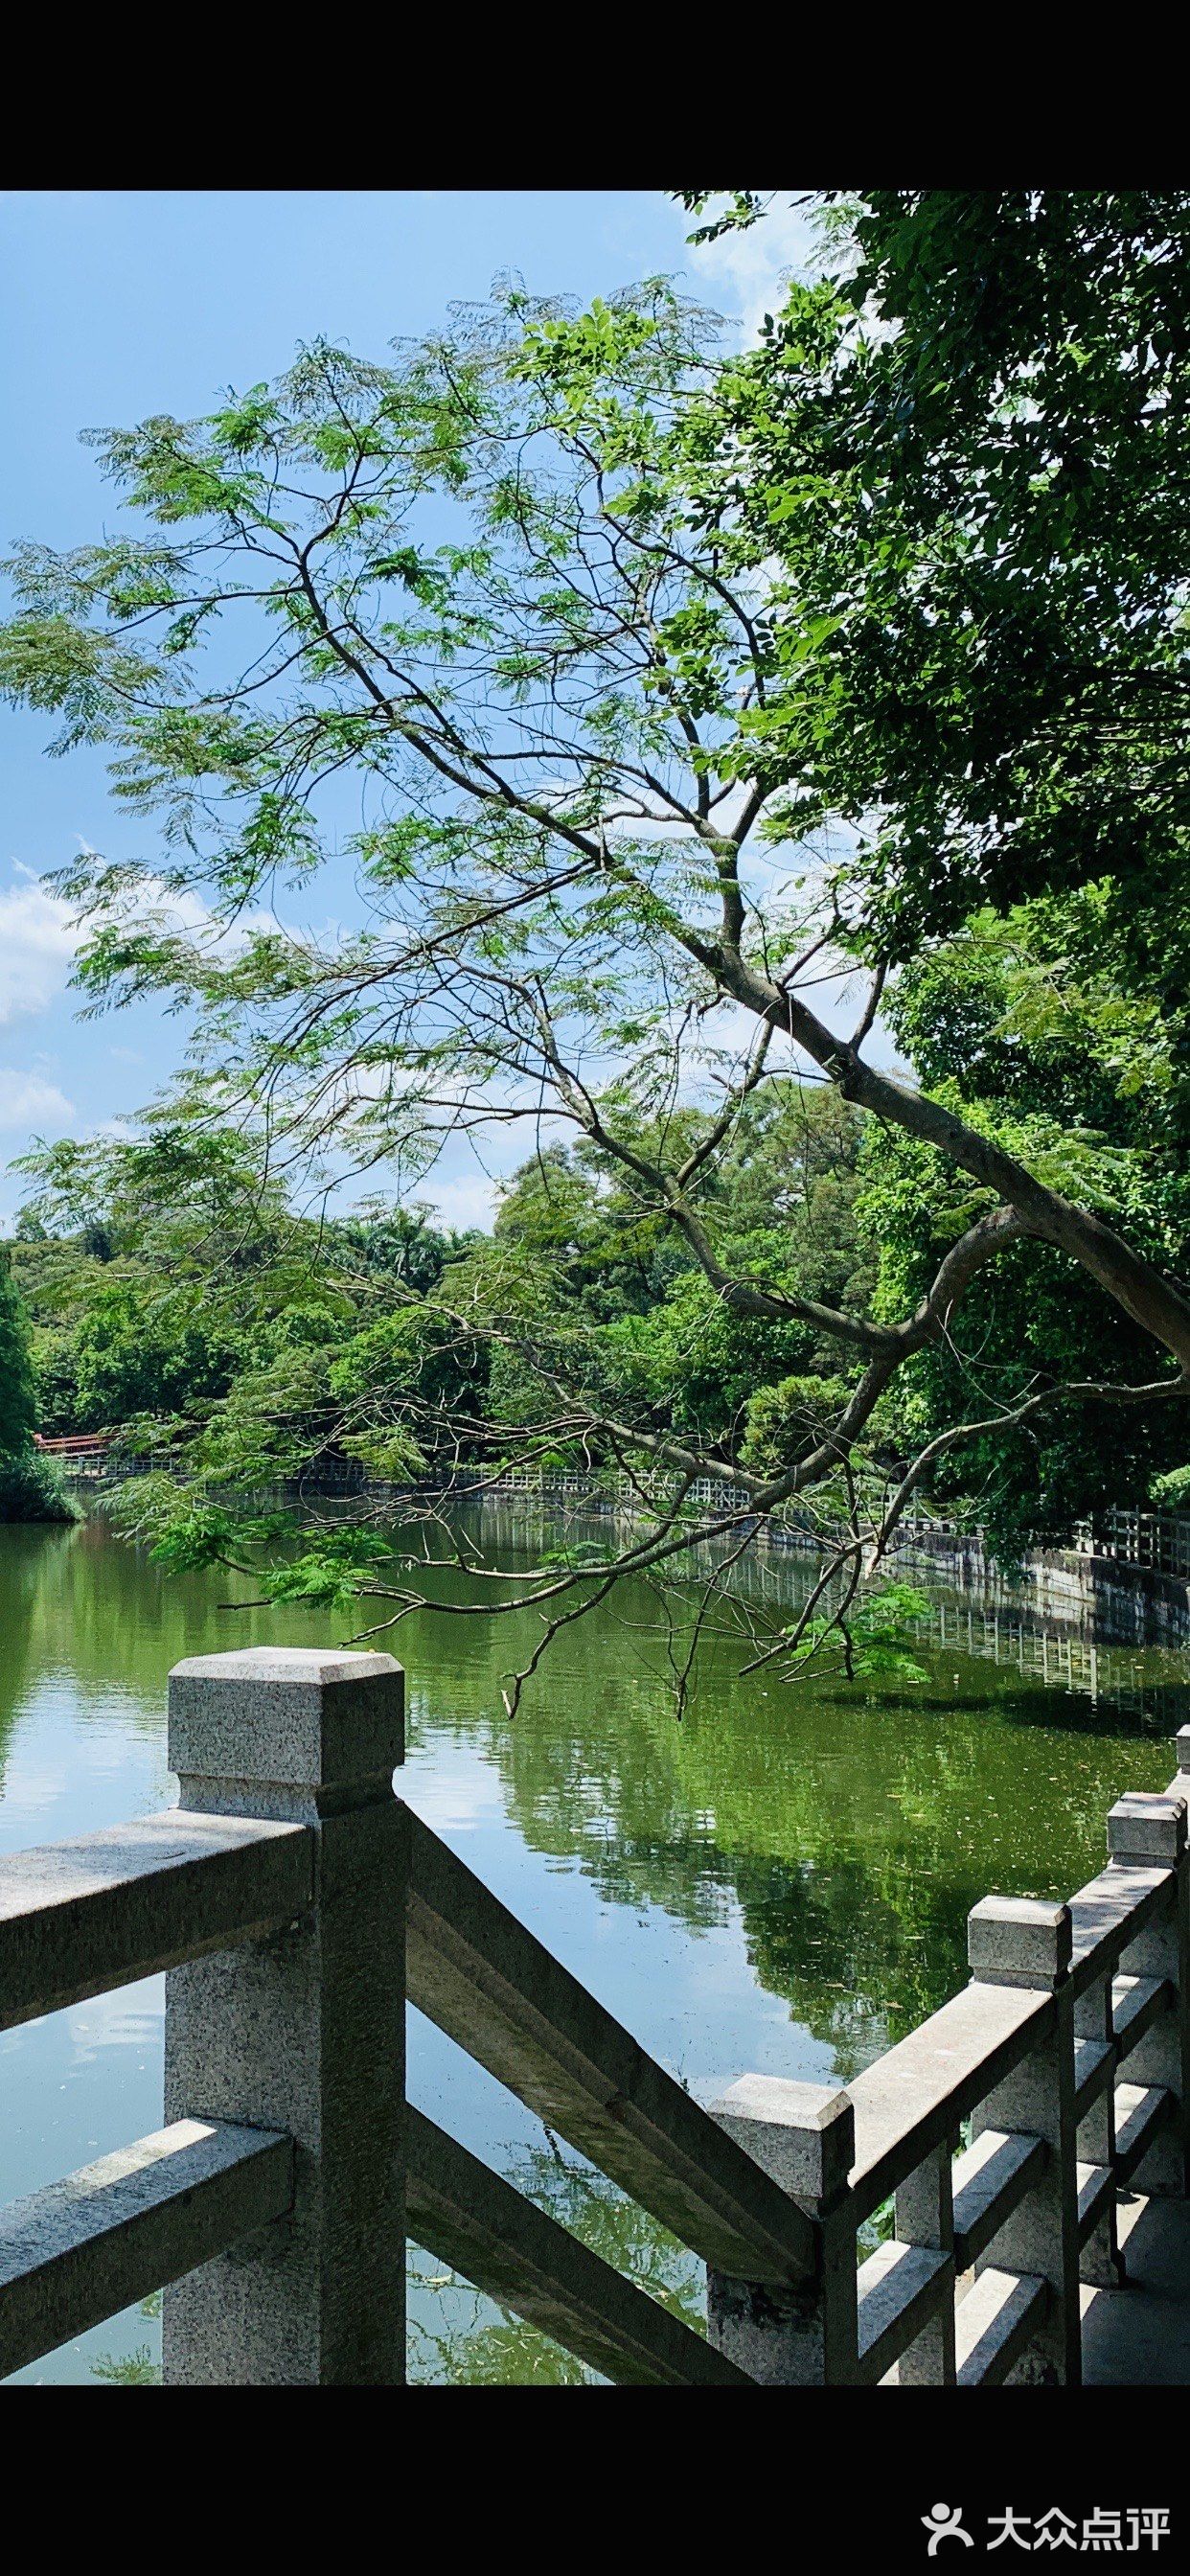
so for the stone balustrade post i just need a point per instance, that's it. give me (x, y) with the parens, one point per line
(804, 2336)
(1101, 2263)
(1148, 1832)
(303, 2031)
(1015, 1941)
(923, 2214)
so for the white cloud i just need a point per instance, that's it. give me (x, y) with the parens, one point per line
(28, 1101)
(461, 1203)
(37, 945)
(39, 937)
(747, 271)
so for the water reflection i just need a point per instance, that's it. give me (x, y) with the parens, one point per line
(778, 1881)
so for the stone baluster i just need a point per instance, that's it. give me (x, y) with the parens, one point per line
(303, 2031)
(1015, 1941)
(924, 2215)
(804, 2336)
(1101, 2263)
(1150, 1832)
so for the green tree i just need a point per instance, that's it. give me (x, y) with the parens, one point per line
(972, 443)
(177, 1297)
(989, 1016)
(130, 1361)
(29, 1491)
(611, 630)
(17, 1410)
(1003, 687)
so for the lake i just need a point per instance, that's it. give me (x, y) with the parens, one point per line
(776, 1881)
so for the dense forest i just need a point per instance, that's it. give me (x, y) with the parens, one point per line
(261, 1346)
(29, 1490)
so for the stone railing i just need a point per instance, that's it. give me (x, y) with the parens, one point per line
(1067, 2056)
(1160, 1540)
(1147, 1538)
(1157, 1541)
(296, 1905)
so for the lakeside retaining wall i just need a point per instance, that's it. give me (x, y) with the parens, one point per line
(1141, 1603)
(1126, 1578)
(1111, 1595)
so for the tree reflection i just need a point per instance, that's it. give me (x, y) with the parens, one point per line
(461, 2339)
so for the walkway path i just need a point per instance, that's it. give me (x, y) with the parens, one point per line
(1139, 2337)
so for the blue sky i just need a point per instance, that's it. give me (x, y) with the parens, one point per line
(117, 304)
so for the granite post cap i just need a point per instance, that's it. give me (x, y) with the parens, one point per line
(1146, 1828)
(802, 2134)
(1018, 1941)
(304, 1717)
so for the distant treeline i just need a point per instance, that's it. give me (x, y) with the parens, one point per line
(172, 1291)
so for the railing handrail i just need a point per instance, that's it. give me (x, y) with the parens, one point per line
(80, 1917)
(486, 1980)
(284, 1932)
(469, 2217)
(919, 2091)
(72, 1442)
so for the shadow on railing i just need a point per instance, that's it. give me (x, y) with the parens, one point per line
(297, 1904)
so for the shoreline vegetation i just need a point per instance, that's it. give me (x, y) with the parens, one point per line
(1121, 1581)
(31, 1490)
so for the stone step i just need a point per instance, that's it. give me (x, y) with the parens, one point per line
(1137, 2002)
(1141, 2113)
(988, 2181)
(994, 2323)
(900, 2288)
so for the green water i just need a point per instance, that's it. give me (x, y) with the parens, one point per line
(777, 1881)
